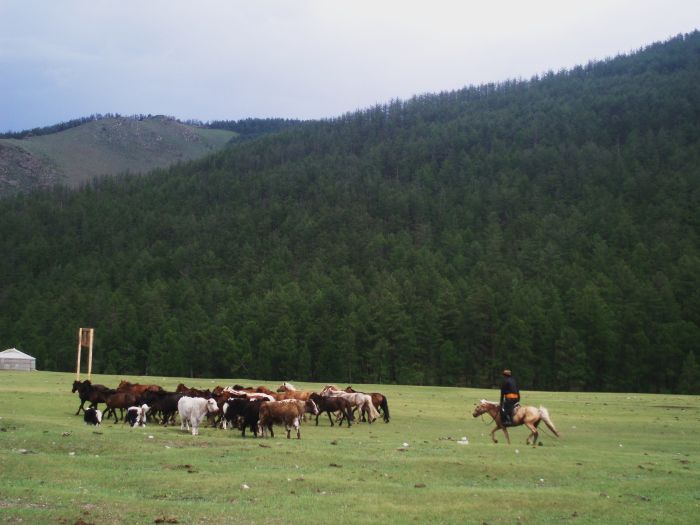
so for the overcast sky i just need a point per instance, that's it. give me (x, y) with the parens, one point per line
(230, 59)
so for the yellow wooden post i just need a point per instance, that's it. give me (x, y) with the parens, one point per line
(85, 339)
(92, 335)
(80, 344)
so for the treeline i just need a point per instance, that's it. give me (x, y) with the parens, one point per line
(73, 123)
(253, 128)
(55, 128)
(548, 225)
(247, 129)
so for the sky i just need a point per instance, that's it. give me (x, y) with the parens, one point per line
(306, 59)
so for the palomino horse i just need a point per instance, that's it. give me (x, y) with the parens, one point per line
(378, 400)
(524, 415)
(361, 401)
(288, 391)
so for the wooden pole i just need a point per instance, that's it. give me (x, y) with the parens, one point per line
(80, 344)
(92, 334)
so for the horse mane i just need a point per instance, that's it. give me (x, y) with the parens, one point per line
(487, 402)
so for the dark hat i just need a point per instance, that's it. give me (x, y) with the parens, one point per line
(507, 372)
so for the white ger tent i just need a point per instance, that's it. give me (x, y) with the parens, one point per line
(13, 359)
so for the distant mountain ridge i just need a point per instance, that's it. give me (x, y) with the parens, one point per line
(105, 146)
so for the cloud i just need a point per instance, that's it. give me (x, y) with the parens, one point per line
(308, 58)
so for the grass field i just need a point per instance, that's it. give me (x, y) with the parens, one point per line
(622, 458)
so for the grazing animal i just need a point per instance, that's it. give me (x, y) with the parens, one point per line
(523, 415)
(192, 392)
(244, 412)
(136, 389)
(287, 412)
(361, 401)
(330, 405)
(136, 416)
(378, 400)
(120, 400)
(229, 393)
(264, 390)
(161, 403)
(92, 416)
(193, 410)
(248, 394)
(288, 391)
(89, 392)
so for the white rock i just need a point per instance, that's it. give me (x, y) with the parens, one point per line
(517, 451)
(245, 487)
(404, 445)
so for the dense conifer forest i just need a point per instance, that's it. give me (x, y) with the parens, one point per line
(549, 225)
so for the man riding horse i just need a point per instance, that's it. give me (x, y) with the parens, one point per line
(510, 397)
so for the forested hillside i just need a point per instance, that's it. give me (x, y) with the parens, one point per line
(548, 225)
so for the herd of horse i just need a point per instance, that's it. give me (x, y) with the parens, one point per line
(163, 405)
(340, 405)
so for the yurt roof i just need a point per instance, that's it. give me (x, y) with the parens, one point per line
(14, 354)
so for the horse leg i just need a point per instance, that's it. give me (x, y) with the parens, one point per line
(505, 431)
(533, 434)
(82, 402)
(330, 418)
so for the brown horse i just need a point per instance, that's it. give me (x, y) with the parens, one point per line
(89, 392)
(288, 391)
(135, 388)
(192, 392)
(524, 415)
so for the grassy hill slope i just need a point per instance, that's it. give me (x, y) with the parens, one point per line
(103, 147)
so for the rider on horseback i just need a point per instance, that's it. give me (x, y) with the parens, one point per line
(510, 397)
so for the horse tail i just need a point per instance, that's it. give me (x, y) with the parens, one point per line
(385, 408)
(544, 414)
(372, 411)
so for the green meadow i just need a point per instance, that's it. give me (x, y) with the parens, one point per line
(622, 458)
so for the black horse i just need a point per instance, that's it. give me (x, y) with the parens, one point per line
(333, 404)
(89, 392)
